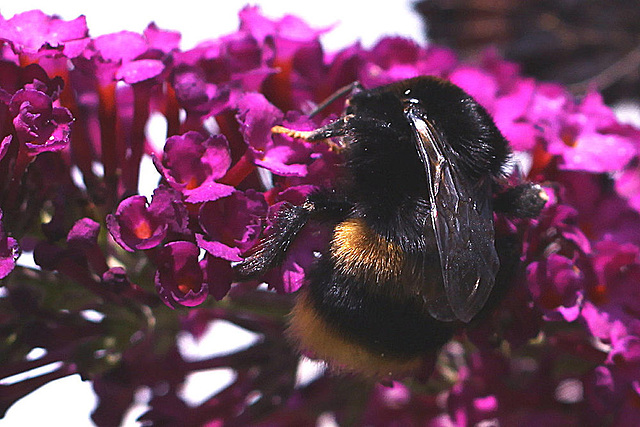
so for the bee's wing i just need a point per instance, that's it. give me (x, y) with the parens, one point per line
(462, 221)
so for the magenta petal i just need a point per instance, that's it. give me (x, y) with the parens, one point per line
(191, 88)
(4, 145)
(273, 162)
(84, 233)
(179, 278)
(209, 190)
(218, 249)
(510, 113)
(121, 46)
(596, 153)
(279, 154)
(116, 279)
(438, 61)
(192, 163)
(390, 51)
(32, 30)
(628, 186)
(164, 40)
(556, 287)
(75, 48)
(167, 204)
(289, 28)
(134, 227)
(208, 158)
(257, 116)
(597, 321)
(522, 136)
(587, 137)
(232, 224)
(218, 275)
(609, 310)
(9, 251)
(140, 70)
(476, 83)
(39, 125)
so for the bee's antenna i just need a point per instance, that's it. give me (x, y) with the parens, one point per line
(351, 88)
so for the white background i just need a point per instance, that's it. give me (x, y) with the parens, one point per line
(198, 20)
(69, 401)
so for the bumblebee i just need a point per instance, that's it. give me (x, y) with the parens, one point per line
(412, 255)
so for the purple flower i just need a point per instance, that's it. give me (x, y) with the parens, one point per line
(612, 392)
(628, 186)
(180, 278)
(218, 275)
(31, 31)
(140, 70)
(232, 224)
(209, 77)
(136, 225)
(510, 111)
(398, 404)
(4, 145)
(234, 60)
(39, 125)
(602, 213)
(32, 77)
(84, 234)
(390, 60)
(193, 163)
(277, 153)
(167, 203)
(9, 251)
(195, 94)
(116, 279)
(163, 40)
(83, 238)
(120, 47)
(481, 85)
(473, 398)
(557, 285)
(610, 310)
(506, 96)
(81, 260)
(588, 137)
(291, 274)
(561, 270)
(292, 47)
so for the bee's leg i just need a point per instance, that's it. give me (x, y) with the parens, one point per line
(522, 201)
(272, 248)
(324, 133)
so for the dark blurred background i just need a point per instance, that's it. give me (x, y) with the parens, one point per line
(580, 43)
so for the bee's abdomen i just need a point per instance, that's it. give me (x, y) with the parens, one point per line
(318, 332)
(356, 312)
(358, 252)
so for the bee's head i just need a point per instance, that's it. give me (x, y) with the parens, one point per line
(382, 106)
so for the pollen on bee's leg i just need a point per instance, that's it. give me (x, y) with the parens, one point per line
(317, 135)
(297, 134)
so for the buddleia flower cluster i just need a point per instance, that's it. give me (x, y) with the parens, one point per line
(562, 347)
